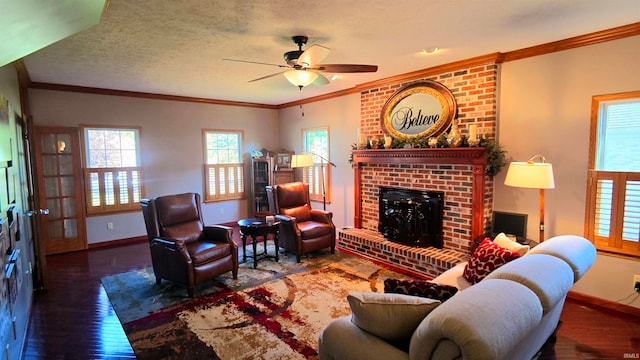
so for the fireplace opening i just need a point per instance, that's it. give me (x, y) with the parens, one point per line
(411, 217)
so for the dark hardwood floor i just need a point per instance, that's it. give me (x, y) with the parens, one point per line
(73, 319)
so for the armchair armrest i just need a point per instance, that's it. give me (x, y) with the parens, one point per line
(322, 216)
(286, 218)
(171, 246)
(219, 233)
(288, 227)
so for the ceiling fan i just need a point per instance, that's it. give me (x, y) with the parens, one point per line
(305, 67)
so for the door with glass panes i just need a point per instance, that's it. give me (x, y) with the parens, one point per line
(59, 175)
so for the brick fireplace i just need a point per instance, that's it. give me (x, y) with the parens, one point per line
(458, 172)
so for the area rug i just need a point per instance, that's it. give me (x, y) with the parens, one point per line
(276, 311)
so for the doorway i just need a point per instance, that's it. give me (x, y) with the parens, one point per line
(57, 153)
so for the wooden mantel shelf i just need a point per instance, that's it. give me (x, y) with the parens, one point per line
(468, 155)
(475, 156)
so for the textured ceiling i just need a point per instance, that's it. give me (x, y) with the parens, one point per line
(176, 47)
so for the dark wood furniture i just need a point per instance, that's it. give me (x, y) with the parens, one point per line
(283, 176)
(261, 172)
(258, 227)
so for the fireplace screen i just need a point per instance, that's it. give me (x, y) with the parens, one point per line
(411, 217)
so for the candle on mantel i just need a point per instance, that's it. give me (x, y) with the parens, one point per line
(472, 131)
(387, 142)
(362, 139)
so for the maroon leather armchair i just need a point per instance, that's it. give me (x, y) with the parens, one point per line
(302, 230)
(183, 249)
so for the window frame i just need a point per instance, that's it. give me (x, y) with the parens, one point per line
(223, 170)
(315, 186)
(133, 192)
(619, 181)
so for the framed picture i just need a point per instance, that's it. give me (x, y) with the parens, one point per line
(425, 109)
(283, 160)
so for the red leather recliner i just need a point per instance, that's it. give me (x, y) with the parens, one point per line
(183, 249)
(302, 229)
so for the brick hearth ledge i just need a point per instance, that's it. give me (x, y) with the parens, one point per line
(425, 262)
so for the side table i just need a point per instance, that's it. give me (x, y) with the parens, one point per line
(255, 227)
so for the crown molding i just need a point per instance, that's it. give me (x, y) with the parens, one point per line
(574, 42)
(135, 94)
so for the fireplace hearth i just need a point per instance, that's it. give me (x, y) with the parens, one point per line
(411, 217)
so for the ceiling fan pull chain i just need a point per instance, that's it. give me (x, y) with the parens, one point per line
(301, 110)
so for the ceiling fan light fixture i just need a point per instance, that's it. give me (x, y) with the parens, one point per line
(430, 50)
(300, 78)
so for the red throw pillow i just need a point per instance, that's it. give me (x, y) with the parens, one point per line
(487, 257)
(422, 288)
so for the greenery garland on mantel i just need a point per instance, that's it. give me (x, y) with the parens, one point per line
(496, 155)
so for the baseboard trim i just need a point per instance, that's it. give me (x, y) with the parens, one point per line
(119, 242)
(593, 301)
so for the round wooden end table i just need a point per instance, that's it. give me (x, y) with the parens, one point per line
(258, 227)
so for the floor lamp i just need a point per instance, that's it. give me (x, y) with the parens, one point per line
(305, 160)
(532, 175)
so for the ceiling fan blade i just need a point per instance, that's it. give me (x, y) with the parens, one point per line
(268, 76)
(256, 62)
(346, 68)
(320, 80)
(313, 55)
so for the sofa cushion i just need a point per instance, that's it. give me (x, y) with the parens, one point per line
(502, 240)
(486, 258)
(392, 317)
(422, 288)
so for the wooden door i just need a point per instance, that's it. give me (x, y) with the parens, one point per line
(60, 184)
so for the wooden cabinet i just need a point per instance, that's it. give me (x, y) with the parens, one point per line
(283, 176)
(262, 175)
(260, 178)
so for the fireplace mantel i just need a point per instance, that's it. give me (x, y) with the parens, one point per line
(475, 156)
(469, 155)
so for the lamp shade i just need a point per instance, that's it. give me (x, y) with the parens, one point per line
(530, 175)
(301, 160)
(300, 78)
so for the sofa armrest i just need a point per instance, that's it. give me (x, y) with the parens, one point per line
(342, 339)
(480, 324)
(575, 250)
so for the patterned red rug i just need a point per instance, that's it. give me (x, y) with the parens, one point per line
(273, 312)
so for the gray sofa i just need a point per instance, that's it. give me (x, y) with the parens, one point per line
(509, 314)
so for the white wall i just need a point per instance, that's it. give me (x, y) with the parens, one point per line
(544, 108)
(9, 86)
(171, 145)
(342, 116)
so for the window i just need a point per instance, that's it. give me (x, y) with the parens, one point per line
(316, 142)
(223, 169)
(613, 188)
(112, 171)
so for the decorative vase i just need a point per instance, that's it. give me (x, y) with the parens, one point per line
(454, 139)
